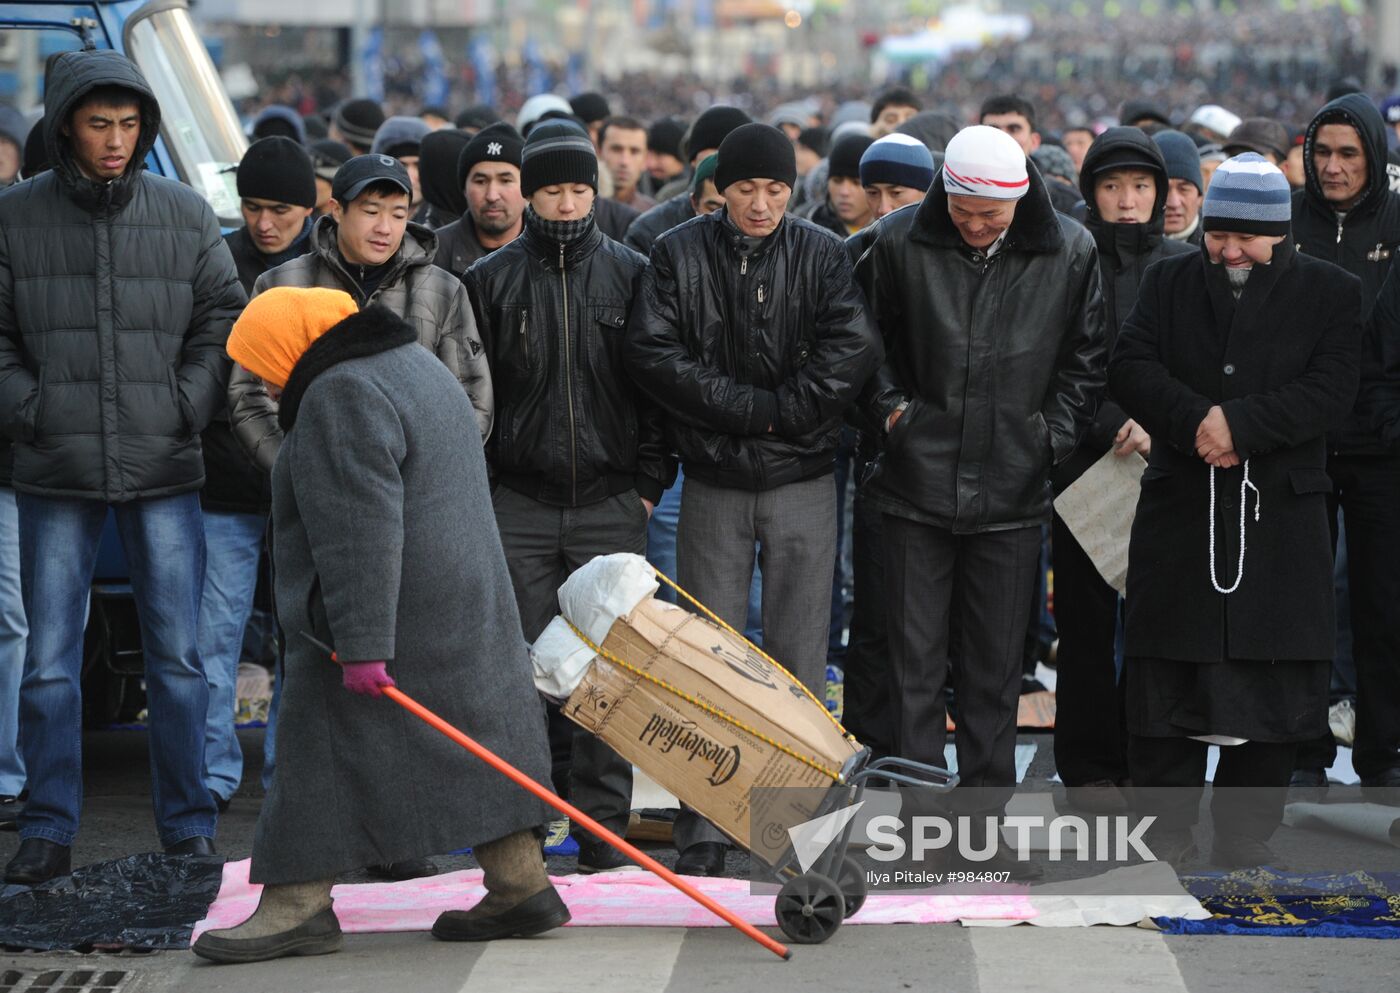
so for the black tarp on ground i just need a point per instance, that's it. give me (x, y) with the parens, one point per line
(149, 901)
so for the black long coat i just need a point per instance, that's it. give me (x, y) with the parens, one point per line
(1282, 363)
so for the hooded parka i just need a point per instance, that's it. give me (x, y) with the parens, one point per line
(1362, 240)
(1125, 252)
(116, 299)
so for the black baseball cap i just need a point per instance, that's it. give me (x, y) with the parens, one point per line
(363, 171)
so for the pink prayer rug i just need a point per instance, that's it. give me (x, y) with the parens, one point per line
(624, 899)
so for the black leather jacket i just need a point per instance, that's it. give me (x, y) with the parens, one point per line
(754, 353)
(1001, 359)
(643, 232)
(570, 427)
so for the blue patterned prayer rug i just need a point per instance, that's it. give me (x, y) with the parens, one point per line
(1256, 901)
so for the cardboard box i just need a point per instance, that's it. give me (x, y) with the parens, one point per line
(710, 763)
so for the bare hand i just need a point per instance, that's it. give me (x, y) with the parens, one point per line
(1213, 439)
(1132, 438)
(892, 420)
(649, 506)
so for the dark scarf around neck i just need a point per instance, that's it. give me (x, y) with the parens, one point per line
(560, 232)
(371, 331)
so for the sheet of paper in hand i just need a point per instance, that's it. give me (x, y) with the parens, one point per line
(1099, 508)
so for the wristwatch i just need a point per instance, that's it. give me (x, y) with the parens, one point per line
(899, 409)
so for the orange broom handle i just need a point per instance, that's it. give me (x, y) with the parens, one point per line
(579, 817)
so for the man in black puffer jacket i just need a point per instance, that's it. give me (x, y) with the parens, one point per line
(1346, 214)
(993, 323)
(578, 455)
(1125, 184)
(117, 294)
(752, 333)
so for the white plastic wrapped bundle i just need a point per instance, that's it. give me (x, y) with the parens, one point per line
(593, 598)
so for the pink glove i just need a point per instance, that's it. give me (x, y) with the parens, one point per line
(366, 678)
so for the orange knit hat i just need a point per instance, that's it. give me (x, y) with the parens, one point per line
(279, 325)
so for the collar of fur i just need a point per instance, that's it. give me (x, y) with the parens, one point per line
(371, 331)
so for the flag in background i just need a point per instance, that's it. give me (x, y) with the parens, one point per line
(436, 87)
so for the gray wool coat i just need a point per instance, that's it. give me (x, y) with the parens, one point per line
(385, 547)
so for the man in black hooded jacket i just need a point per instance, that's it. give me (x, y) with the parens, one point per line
(1124, 183)
(1347, 215)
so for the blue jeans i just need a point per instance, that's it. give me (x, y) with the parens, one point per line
(13, 632)
(233, 542)
(661, 553)
(163, 540)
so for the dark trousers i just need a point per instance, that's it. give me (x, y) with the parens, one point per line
(794, 527)
(867, 712)
(1180, 763)
(1091, 735)
(931, 576)
(1368, 491)
(543, 545)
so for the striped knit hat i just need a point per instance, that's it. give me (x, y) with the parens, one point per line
(897, 159)
(981, 161)
(1248, 195)
(556, 153)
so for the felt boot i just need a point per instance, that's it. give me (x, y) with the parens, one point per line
(520, 900)
(291, 919)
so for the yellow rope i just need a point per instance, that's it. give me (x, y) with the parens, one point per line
(768, 658)
(835, 775)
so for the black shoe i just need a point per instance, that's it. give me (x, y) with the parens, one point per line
(1234, 851)
(704, 858)
(1384, 788)
(10, 806)
(38, 861)
(1311, 779)
(542, 912)
(399, 871)
(318, 936)
(198, 845)
(1176, 846)
(597, 856)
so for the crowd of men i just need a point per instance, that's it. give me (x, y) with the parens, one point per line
(681, 338)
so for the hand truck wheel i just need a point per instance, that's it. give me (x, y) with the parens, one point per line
(810, 908)
(851, 880)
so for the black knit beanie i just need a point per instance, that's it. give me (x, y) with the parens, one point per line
(277, 169)
(358, 120)
(755, 151)
(590, 107)
(498, 142)
(477, 117)
(556, 153)
(844, 160)
(817, 139)
(665, 137)
(711, 127)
